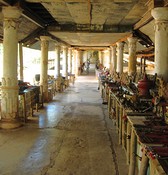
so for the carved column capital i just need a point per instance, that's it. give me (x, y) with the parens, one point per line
(11, 12)
(120, 45)
(160, 13)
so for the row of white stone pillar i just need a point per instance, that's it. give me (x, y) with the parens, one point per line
(9, 88)
(160, 15)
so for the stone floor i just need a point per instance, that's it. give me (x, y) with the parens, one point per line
(72, 135)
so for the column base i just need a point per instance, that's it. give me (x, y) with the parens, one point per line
(10, 124)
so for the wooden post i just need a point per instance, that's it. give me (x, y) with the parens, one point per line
(123, 130)
(109, 102)
(117, 114)
(132, 154)
(144, 163)
(120, 123)
(128, 142)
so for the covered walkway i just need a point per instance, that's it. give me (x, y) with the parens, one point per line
(72, 135)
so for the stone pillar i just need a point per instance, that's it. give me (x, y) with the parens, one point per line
(100, 57)
(77, 56)
(44, 66)
(9, 102)
(65, 62)
(109, 58)
(70, 60)
(160, 15)
(120, 48)
(132, 55)
(57, 61)
(114, 58)
(21, 61)
(80, 61)
(73, 62)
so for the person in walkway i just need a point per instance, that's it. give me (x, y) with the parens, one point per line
(82, 67)
(87, 66)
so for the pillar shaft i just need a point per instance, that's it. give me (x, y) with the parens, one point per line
(120, 48)
(108, 57)
(9, 102)
(57, 61)
(65, 62)
(21, 61)
(132, 55)
(160, 15)
(44, 66)
(80, 61)
(70, 60)
(73, 62)
(114, 58)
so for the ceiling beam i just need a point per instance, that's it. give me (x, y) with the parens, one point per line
(147, 17)
(31, 15)
(36, 33)
(90, 28)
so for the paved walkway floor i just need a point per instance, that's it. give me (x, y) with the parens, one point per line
(72, 135)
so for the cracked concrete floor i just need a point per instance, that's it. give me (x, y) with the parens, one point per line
(72, 135)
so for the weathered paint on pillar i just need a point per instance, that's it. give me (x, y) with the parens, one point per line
(109, 58)
(114, 58)
(73, 62)
(57, 61)
(21, 61)
(132, 55)
(65, 62)
(44, 66)
(77, 58)
(160, 15)
(10, 89)
(106, 58)
(100, 57)
(120, 48)
(76, 63)
(80, 61)
(70, 60)
(111, 67)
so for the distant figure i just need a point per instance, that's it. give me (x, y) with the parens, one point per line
(87, 67)
(82, 67)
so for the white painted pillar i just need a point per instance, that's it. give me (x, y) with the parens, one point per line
(65, 62)
(100, 57)
(57, 61)
(160, 15)
(109, 58)
(73, 62)
(77, 62)
(10, 89)
(44, 66)
(70, 61)
(111, 67)
(120, 48)
(114, 58)
(21, 61)
(132, 55)
(80, 60)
